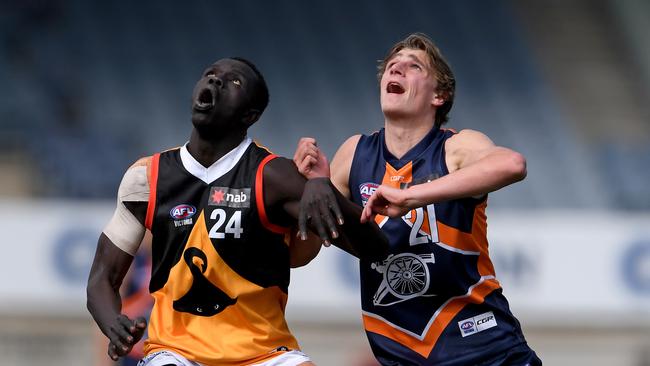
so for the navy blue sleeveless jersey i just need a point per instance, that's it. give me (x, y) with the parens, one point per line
(435, 299)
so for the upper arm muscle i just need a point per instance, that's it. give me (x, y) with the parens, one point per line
(465, 148)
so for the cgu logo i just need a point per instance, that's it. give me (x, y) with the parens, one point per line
(367, 190)
(484, 320)
(183, 211)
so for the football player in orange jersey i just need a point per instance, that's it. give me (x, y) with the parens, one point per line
(220, 210)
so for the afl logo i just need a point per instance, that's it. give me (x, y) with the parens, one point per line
(467, 325)
(183, 211)
(367, 189)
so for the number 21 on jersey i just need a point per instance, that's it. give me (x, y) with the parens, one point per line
(423, 225)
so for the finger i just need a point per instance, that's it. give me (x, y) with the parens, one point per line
(302, 223)
(126, 322)
(317, 222)
(112, 352)
(299, 154)
(140, 323)
(326, 215)
(123, 330)
(307, 140)
(119, 346)
(140, 326)
(366, 214)
(370, 202)
(378, 199)
(306, 164)
(312, 150)
(334, 206)
(305, 144)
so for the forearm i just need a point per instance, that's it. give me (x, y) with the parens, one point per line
(301, 252)
(363, 240)
(104, 304)
(103, 290)
(489, 174)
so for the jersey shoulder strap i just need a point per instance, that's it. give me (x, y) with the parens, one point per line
(152, 176)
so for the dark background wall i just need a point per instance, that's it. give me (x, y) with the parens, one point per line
(88, 87)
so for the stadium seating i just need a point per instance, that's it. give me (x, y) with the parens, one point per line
(112, 82)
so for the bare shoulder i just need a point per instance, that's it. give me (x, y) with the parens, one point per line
(345, 153)
(342, 163)
(468, 138)
(349, 145)
(465, 147)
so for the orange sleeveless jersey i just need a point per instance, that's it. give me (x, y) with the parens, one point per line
(220, 269)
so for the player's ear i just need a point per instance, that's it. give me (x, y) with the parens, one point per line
(251, 116)
(438, 99)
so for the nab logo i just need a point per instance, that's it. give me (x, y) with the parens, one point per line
(230, 197)
(183, 211)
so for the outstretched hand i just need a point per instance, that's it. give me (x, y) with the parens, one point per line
(387, 201)
(124, 334)
(318, 207)
(310, 160)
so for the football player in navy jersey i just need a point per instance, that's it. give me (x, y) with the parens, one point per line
(220, 210)
(434, 299)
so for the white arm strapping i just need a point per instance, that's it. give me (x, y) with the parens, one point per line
(124, 229)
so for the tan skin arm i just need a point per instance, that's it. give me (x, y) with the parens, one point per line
(312, 163)
(476, 167)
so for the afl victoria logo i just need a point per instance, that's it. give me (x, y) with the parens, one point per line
(366, 190)
(183, 211)
(467, 325)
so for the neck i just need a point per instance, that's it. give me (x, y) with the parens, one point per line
(208, 150)
(402, 134)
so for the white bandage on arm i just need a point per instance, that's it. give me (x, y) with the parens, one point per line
(124, 229)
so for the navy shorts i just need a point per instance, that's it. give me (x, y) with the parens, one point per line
(518, 356)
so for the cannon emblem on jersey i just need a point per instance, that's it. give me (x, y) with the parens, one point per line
(406, 276)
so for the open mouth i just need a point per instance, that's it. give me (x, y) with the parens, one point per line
(205, 100)
(394, 88)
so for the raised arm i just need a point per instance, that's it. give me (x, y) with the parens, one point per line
(312, 162)
(114, 254)
(476, 167)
